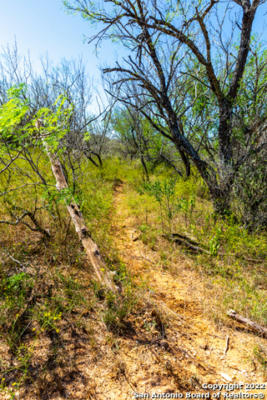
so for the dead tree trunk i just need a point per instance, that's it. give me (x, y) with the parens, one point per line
(261, 330)
(104, 275)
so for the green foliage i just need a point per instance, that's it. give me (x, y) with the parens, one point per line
(53, 196)
(261, 356)
(164, 193)
(27, 185)
(117, 311)
(169, 202)
(214, 243)
(15, 283)
(139, 139)
(24, 321)
(55, 122)
(229, 266)
(17, 124)
(15, 291)
(250, 193)
(72, 295)
(14, 124)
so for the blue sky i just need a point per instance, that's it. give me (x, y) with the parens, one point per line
(44, 27)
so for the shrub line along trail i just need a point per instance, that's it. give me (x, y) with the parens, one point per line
(193, 347)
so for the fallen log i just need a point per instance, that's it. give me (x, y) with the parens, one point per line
(103, 274)
(187, 242)
(198, 248)
(262, 331)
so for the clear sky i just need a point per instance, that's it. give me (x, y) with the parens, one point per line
(44, 27)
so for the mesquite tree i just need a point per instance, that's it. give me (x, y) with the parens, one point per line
(43, 88)
(175, 46)
(42, 132)
(140, 140)
(20, 174)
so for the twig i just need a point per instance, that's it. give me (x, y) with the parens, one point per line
(219, 337)
(144, 258)
(227, 345)
(23, 266)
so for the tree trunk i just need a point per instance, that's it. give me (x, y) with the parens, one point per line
(221, 202)
(186, 162)
(144, 167)
(100, 162)
(93, 254)
(225, 134)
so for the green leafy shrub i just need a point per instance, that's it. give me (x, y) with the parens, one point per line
(15, 291)
(164, 193)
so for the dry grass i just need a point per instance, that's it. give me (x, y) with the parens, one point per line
(168, 333)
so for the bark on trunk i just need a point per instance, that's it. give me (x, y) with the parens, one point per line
(186, 162)
(93, 254)
(221, 201)
(225, 133)
(144, 167)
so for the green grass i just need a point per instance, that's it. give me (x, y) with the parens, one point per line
(55, 284)
(236, 265)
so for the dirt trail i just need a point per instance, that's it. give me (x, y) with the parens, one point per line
(194, 349)
(169, 344)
